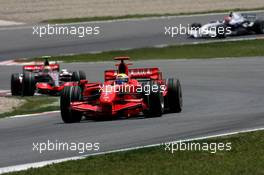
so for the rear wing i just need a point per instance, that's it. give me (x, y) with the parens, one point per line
(137, 73)
(249, 16)
(38, 67)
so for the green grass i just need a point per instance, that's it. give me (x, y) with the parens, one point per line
(208, 50)
(246, 157)
(34, 105)
(103, 18)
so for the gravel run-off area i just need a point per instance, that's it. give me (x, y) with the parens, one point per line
(32, 11)
(7, 104)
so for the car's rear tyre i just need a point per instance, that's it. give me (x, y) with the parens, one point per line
(78, 75)
(155, 101)
(259, 27)
(28, 84)
(15, 85)
(70, 94)
(174, 96)
(82, 75)
(196, 26)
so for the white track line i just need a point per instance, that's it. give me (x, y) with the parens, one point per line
(15, 63)
(44, 163)
(7, 63)
(36, 114)
(4, 93)
(10, 23)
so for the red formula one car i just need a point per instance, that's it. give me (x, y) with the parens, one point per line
(125, 92)
(44, 78)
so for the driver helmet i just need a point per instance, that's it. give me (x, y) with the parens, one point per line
(121, 78)
(227, 19)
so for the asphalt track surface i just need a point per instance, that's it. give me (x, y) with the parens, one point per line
(19, 41)
(220, 95)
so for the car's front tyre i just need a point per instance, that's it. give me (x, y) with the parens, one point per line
(174, 96)
(28, 84)
(70, 94)
(155, 101)
(221, 31)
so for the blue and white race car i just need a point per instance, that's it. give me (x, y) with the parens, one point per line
(233, 25)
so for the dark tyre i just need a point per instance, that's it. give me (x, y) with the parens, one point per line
(155, 101)
(28, 84)
(15, 85)
(77, 76)
(70, 94)
(196, 26)
(82, 75)
(259, 27)
(221, 31)
(174, 96)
